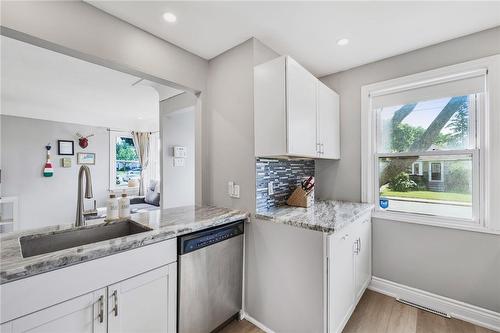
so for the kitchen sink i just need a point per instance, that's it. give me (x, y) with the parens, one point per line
(45, 243)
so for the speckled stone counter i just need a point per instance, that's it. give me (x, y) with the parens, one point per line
(165, 224)
(325, 216)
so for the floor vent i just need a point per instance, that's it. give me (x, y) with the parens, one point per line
(425, 308)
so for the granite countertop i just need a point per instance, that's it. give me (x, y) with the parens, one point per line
(325, 216)
(165, 224)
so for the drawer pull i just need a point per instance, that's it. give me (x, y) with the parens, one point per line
(115, 297)
(100, 304)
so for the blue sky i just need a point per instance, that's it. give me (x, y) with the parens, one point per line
(425, 112)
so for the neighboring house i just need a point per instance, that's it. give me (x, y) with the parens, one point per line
(432, 172)
(436, 173)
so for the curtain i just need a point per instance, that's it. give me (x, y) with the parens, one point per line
(141, 143)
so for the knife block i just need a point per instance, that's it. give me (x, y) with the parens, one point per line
(301, 198)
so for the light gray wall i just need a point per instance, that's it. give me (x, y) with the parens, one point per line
(228, 149)
(458, 264)
(284, 277)
(177, 129)
(84, 31)
(45, 201)
(228, 125)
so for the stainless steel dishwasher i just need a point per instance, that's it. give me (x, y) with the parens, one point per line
(210, 278)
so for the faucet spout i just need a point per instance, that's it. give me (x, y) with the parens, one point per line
(84, 171)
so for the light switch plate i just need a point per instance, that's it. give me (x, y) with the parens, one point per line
(180, 151)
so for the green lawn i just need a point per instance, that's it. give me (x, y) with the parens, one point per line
(445, 196)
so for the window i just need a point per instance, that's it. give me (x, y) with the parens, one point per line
(423, 140)
(428, 132)
(436, 173)
(417, 168)
(127, 164)
(124, 163)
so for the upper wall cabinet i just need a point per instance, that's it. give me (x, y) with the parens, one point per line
(296, 115)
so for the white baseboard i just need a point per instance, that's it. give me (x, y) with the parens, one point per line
(256, 323)
(456, 309)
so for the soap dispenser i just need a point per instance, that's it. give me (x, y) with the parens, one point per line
(112, 210)
(124, 204)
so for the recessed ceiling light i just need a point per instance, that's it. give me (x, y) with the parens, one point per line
(343, 41)
(169, 17)
(140, 118)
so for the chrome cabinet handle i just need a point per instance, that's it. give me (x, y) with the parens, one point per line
(100, 304)
(322, 150)
(115, 297)
(359, 245)
(318, 148)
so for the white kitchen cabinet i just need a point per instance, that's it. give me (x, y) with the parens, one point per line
(301, 110)
(295, 115)
(362, 257)
(146, 288)
(328, 134)
(86, 313)
(349, 271)
(144, 303)
(341, 278)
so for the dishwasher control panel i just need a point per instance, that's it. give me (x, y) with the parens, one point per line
(198, 240)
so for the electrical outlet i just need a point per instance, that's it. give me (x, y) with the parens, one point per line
(270, 188)
(179, 162)
(233, 190)
(236, 191)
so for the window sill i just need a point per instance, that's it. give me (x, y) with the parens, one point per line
(434, 221)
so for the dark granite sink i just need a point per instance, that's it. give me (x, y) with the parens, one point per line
(45, 243)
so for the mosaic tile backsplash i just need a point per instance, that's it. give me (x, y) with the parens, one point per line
(285, 175)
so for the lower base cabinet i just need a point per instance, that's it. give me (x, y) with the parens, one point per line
(143, 303)
(349, 271)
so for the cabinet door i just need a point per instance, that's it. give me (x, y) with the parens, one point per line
(328, 122)
(301, 110)
(85, 313)
(363, 256)
(144, 303)
(340, 279)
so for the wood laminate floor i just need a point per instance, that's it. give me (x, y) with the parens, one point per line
(377, 313)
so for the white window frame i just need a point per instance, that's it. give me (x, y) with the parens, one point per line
(487, 216)
(113, 135)
(420, 168)
(441, 166)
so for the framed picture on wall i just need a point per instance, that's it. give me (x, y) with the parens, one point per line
(85, 158)
(65, 147)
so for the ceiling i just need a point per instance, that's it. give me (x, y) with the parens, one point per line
(42, 84)
(308, 31)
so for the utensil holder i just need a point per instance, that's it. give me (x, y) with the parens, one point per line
(301, 198)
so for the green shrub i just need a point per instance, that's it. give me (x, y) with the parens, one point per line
(457, 179)
(402, 183)
(421, 181)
